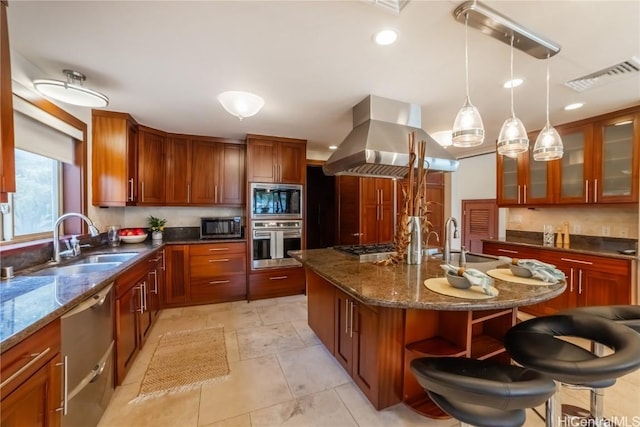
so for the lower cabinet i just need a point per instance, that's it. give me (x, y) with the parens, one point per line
(176, 278)
(218, 272)
(31, 393)
(591, 279)
(278, 282)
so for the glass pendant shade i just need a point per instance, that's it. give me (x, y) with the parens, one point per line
(548, 145)
(69, 92)
(241, 104)
(468, 130)
(513, 138)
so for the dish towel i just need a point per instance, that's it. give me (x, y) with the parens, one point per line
(475, 277)
(539, 270)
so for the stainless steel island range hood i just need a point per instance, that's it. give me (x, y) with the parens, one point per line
(378, 143)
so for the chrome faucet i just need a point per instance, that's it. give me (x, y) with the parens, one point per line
(446, 257)
(93, 230)
(426, 245)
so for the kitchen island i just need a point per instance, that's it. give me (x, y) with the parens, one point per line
(376, 319)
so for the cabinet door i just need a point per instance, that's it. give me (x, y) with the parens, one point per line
(343, 345)
(291, 165)
(231, 187)
(320, 301)
(178, 171)
(349, 218)
(154, 285)
(151, 167)
(386, 217)
(126, 332)
(7, 153)
(603, 288)
(35, 402)
(205, 166)
(264, 156)
(617, 147)
(538, 181)
(574, 173)
(508, 180)
(143, 314)
(365, 351)
(369, 224)
(175, 292)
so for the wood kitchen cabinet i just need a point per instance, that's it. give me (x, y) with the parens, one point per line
(7, 146)
(177, 279)
(151, 164)
(366, 210)
(114, 159)
(218, 272)
(156, 279)
(276, 159)
(275, 282)
(33, 396)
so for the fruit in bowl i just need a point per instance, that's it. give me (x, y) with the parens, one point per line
(133, 235)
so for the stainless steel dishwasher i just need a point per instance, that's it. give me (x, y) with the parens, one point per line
(87, 348)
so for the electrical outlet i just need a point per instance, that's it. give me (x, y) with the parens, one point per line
(624, 232)
(577, 229)
(606, 230)
(4, 208)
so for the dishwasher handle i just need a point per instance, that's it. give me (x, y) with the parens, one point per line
(95, 301)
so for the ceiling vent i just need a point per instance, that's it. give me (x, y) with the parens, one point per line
(606, 75)
(391, 6)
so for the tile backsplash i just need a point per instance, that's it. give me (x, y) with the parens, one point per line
(603, 220)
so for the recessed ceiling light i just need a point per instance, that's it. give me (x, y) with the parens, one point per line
(385, 37)
(574, 106)
(333, 147)
(512, 83)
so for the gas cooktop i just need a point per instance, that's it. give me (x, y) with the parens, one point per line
(371, 252)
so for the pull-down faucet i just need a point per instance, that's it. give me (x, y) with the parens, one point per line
(446, 257)
(93, 230)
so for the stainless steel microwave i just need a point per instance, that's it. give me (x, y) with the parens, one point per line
(276, 200)
(221, 227)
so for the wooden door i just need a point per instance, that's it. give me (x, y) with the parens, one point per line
(126, 332)
(263, 158)
(348, 215)
(291, 163)
(231, 186)
(175, 292)
(205, 167)
(365, 351)
(343, 345)
(479, 221)
(151, 167)
(178, 171)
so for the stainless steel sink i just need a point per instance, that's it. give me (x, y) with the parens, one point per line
(69, 270)
(104, 258)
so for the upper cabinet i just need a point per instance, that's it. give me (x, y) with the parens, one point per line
(600, 165)
(7, 153)
(151, 174)
(275, 159)
(217, 173)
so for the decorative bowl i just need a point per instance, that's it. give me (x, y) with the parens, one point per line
(139, 238)
(516, 270)
(456, 281)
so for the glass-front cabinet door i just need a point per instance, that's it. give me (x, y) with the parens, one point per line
(616, 142)
(509, 180)
(574, 174)
(538, 186)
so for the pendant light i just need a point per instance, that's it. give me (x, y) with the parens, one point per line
(468, 130)
(513, 138)
(71, 92)
(548, 144)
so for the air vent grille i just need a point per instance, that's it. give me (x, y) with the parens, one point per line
(606, 75)
(392, 6)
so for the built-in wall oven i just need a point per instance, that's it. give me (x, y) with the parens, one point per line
(272, 239)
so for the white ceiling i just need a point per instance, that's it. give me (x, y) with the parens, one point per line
(165, 62)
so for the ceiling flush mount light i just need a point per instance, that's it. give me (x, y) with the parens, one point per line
(385, 37)
(574, 106)
(71, 91)
(513, 138)
(241, 104)
(548, 144)
(333, 147)
(468, 130)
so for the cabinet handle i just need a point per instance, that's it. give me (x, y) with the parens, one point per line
(219, 260)
(346, 316)
(571, 280)
(278, 277)
(595, 191)
(218, 282)
(142, 191)
(218, 249)
(215, 193)
(65, 386)
(131, 189)
(580, 282)
(351, 319)
(509, 251)
(524, 193)
(518, 193)
(576, 260)
(586, 191)
(35, 357)
(155, 281)
(188, 193)
(141, 294)
(163, 261)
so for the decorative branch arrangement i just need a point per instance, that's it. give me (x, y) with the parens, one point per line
(413, 203)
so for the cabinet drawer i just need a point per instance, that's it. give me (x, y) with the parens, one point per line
(275, 283)
(29, 356)
(206, 266)
(218, 248)
(219, 289)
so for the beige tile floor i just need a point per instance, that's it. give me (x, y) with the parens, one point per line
(282, 376)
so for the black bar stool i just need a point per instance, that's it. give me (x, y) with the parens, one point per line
(482, 392)
(534, 344)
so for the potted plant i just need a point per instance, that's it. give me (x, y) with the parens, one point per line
(156, 225)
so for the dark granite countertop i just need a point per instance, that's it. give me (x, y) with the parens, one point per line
(401, 285)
